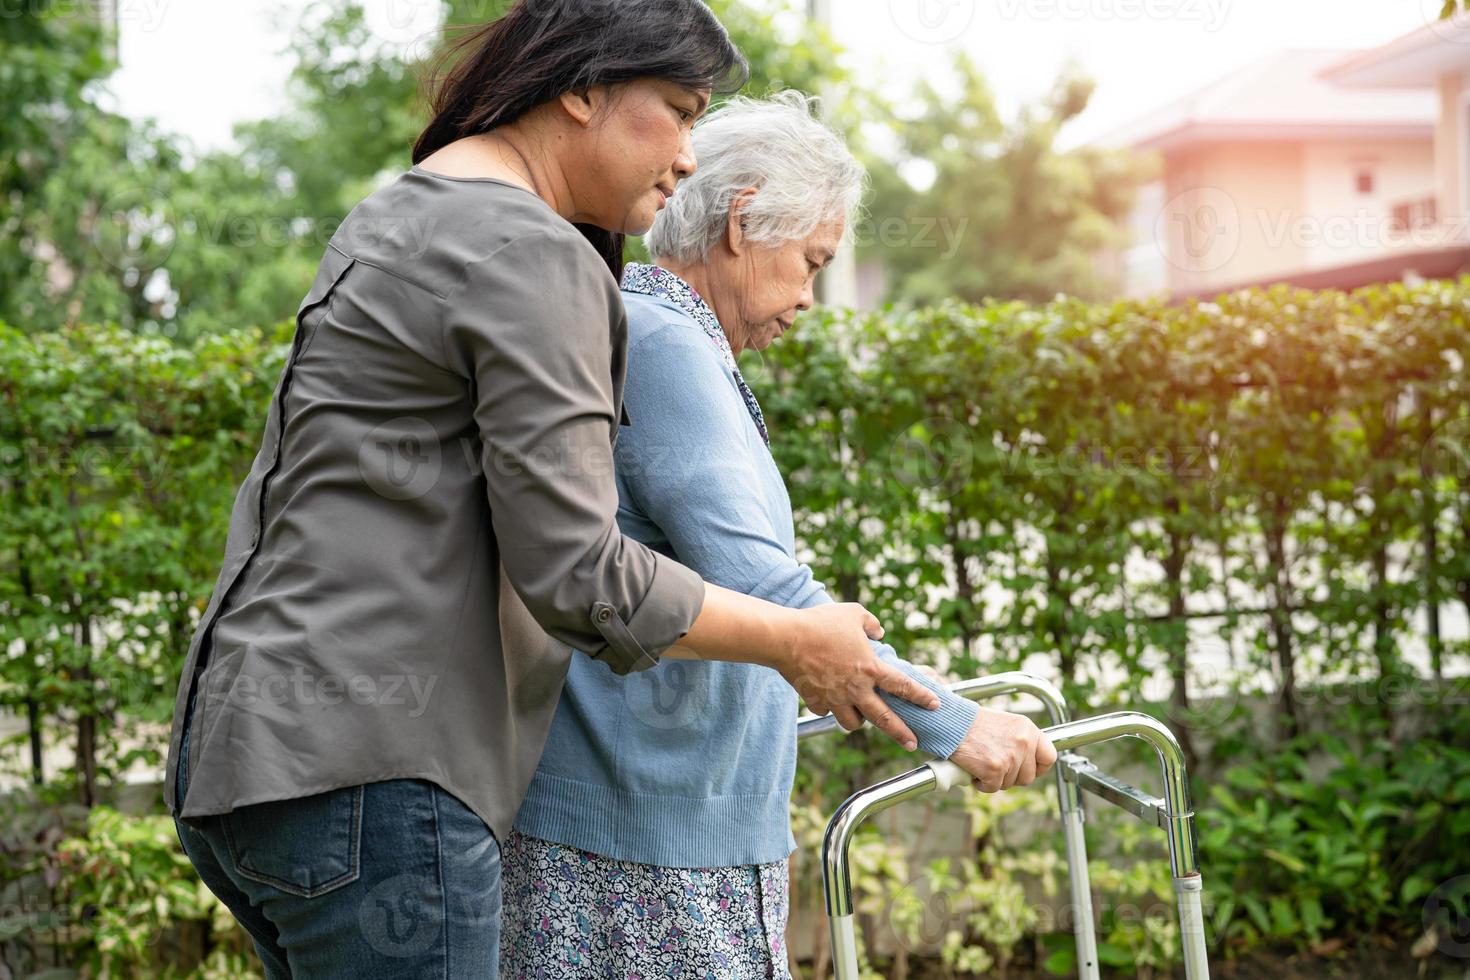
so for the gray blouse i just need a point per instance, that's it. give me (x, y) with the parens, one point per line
(429, 523)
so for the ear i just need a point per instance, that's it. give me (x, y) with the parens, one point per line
(580, 105)
(735, 221)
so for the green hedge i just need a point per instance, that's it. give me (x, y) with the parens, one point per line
(1295, 464)
(119, 459)
(1285, 475)
(1287, 471)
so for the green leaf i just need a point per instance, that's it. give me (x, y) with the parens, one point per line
(1061, 963)
(1110, 954)
(1293, 864)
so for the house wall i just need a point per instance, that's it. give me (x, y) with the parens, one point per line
(1342, 226)
(1224, 206)
(1227, 213)
(1141, 265)
(1451, 155)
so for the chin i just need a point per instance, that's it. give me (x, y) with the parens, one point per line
(632, 225)
(635, 219)
(638, 224)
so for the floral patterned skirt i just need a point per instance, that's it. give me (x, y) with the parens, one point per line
(576, 915)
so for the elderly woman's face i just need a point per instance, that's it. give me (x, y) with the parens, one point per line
(769, 285)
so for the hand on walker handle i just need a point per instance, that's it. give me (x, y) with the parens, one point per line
(1003, 750)
(834, 669)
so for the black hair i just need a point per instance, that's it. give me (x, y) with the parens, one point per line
(540, 49)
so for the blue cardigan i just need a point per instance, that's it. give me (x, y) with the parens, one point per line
(690, 763)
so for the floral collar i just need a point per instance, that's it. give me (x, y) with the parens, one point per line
(652, 280)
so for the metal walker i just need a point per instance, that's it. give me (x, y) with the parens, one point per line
(1172, 813)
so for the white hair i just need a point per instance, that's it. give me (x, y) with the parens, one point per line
(803, 171)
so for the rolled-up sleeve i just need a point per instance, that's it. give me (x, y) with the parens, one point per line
(538, 330)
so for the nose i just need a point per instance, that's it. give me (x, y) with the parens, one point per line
(808, 297)
(685, 163)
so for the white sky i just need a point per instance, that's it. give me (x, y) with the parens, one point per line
(198, 66)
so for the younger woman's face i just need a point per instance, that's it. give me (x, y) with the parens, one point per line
(636, 149)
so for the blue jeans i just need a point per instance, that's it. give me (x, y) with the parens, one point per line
(389, 879)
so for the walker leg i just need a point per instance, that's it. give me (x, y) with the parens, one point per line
(1084, 927)
(1171, 813)
(844, 948)
(1190, 890)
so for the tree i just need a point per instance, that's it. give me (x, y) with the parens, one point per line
(51, 59)
(112, 220)
(1006, 215)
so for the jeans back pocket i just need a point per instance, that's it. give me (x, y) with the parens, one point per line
(306, 846)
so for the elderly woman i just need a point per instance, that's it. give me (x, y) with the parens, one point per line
(654, 836)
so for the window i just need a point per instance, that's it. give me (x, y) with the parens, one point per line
(1414, 216)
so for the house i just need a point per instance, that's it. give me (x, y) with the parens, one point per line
(1433, 60)
(1305, 167)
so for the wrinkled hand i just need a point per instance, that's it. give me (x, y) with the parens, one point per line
(834, 669)
(1003, 750)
